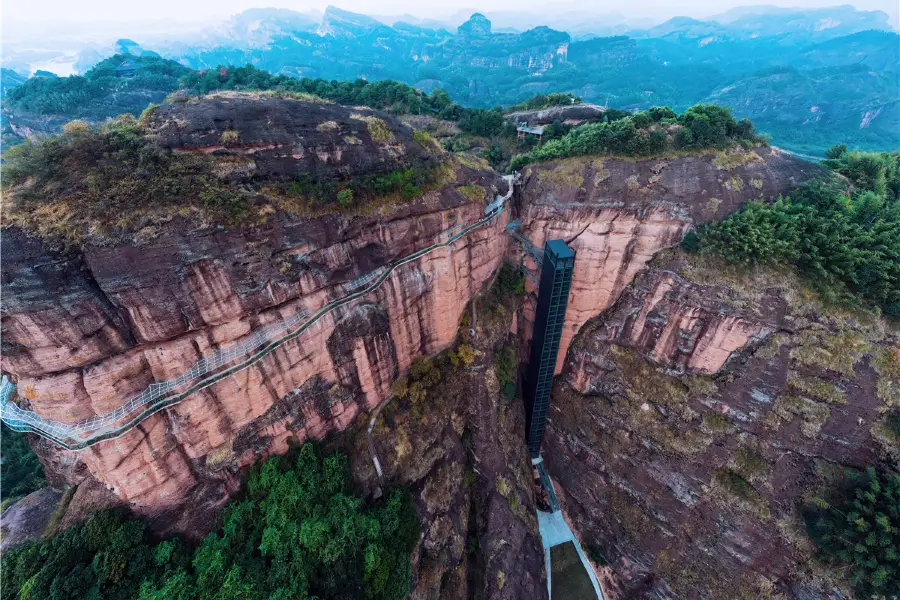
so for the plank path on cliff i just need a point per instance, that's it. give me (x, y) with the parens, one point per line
(209, 369)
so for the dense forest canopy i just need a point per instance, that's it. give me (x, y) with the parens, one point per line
(857, 529)
(297, 531)
(20, 470)
(99, 94)
(844, 232)
(540, 101)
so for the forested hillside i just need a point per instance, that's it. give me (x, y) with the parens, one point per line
(807, 91)
(99, 93)
(843, 232)
(297, 531)
(805, 81)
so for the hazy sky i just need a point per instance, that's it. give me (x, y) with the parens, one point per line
(22, 12)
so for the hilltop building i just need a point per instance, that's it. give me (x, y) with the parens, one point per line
(128, 68)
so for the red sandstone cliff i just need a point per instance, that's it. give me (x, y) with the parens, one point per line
(84, 330)
(702, 409)
(135, 315)
(616, 214)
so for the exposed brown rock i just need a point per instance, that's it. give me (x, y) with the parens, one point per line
(26, 519)
(261, 135)
(659, 430)
(188, 292)
(575, 112)
(616, 214)
(464, 457)
(88, 329)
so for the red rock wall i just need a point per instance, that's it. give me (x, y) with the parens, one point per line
(616, 214)
(680, 326)
(84, 332)
(702, 410)
(133, 315)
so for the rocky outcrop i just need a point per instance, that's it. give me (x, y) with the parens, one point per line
(269, 137)
(616, 214)
(575, 112)
(464, 457)
(85, 332)
(681, 326)
(477, 26)
(27, 519)
(703, 409)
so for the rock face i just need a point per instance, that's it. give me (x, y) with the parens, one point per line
(702, 409)
(616, 214)
(681, 326)
(26, 520)
(85, 332)
(259, 135)
(464, 457)
(575, 112)
(477, 25)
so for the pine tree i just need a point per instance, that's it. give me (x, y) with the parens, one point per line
(860, 533)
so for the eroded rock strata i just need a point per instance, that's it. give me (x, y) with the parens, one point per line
(463, 456)
(616, 214)
(145, 314)
(659, 396)
(701, 410)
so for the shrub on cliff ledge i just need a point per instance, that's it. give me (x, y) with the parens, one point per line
(842, 236)
(111, 181)
(506, 368)
(400, 184)
(109, 178)
(859, 531)
(647, 134)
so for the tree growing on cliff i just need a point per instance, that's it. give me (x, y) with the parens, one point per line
(300, 532)
(844, 232)
(21, 472)
(859, 531)
(107, 556)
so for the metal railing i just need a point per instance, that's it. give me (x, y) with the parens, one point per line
(25, 420)
(514, 229)
(206, 371)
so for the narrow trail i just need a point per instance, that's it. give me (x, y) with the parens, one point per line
(156, 397)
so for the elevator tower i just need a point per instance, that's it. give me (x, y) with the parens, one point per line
(550, 314)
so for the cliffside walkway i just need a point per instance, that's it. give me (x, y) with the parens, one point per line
(208, 370)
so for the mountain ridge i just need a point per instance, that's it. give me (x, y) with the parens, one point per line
(679, 62)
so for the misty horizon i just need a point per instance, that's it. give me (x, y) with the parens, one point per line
(33, 16)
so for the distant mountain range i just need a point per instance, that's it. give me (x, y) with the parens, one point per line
(810, 78)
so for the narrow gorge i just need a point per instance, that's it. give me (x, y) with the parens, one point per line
(679, 376)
